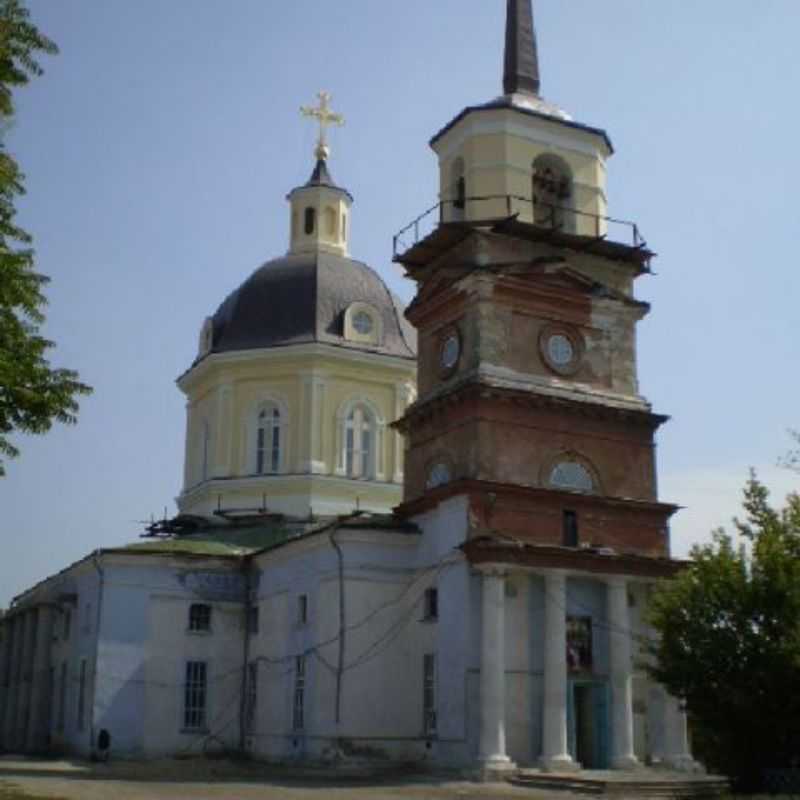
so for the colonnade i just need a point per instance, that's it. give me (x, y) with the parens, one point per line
(674, 750)
(25, 690)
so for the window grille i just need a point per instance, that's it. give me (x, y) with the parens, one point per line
(429, 693)
(195, 696)
(199, 618)
(298, 714)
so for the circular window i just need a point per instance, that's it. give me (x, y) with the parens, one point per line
(572, 476)
(362, 323)
(560, 350)
(451, 351)
(438, 476)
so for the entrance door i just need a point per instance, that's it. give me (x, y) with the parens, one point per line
(587, 721)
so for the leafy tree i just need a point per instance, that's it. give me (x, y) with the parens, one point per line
(792, 459)
(729, 640)
(33, 394)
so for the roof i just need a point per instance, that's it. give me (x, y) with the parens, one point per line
(508, 102)
(303, 298)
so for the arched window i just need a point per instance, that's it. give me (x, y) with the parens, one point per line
(458, 189)
(573, 476)
(360, 443)
(552, 193)
(269, 441)
(330, 222)
(310, 220)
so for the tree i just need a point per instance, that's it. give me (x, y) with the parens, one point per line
(792, 458)
(33, 394)
(729, 641)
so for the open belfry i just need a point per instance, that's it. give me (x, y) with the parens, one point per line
(435, 549)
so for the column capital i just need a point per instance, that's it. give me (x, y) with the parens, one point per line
(493, 570)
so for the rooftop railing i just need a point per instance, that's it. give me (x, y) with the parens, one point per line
(495, 208)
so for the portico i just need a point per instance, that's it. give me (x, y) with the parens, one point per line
(585, 710)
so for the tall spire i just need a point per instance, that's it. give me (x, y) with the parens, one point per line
(522, 57)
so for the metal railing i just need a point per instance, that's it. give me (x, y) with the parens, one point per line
(497, 207)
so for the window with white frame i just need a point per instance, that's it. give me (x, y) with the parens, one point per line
(429, 693)
(363, 323)
(298, 708)
(359, 443)
(199, 618)
(269, 440)
(251, 706)
(195, 696)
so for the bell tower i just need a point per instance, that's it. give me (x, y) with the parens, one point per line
(497, 157)
(529, 402)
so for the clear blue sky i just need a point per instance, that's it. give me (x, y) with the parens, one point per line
(161, 142)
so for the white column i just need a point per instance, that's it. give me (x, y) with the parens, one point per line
(555, 753)
(224, 432)
(493, 673)
(622, 756)
(676, 737)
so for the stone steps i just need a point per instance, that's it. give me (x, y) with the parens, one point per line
(655, 787)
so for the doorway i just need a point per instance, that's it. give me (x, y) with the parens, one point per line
(587, 723)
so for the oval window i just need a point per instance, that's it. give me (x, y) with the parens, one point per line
(362, 323)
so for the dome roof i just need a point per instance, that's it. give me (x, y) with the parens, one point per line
(303, 298)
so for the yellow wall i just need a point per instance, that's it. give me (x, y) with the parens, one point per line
(498, 149)
(312, 384)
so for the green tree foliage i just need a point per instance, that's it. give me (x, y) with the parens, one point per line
(33, 394)
(729, 640)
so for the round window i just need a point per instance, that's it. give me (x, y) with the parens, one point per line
(451, 351)
(362, 323)
(560, 349)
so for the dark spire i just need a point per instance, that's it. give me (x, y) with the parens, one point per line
(522, 57)
(321, 175)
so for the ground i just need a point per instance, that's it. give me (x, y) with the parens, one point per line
(26, 779)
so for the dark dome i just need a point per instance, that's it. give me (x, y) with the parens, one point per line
(303, 298)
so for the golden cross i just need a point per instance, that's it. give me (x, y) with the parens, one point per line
(326, 117)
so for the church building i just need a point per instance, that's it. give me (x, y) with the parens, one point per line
(424, 534)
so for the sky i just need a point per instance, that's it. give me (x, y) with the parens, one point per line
(162, 140)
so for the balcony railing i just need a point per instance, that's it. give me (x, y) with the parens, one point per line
(495, 208)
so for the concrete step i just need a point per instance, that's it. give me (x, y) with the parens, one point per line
(654, 787)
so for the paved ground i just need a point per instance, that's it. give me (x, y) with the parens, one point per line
(203, 780)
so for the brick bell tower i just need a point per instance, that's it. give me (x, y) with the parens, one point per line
(529, 402)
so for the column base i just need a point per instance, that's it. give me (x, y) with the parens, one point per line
(683, 763)
(558, 764)
(625, 762)
(495, 768)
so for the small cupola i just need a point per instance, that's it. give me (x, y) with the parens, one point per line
(320, 210)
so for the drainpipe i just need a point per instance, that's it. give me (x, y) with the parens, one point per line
(248, 605)
(342, 627)
(100, 592)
